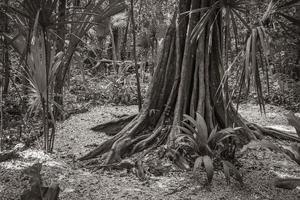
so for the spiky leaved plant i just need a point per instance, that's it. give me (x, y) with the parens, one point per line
(37, 22)
(40, 74)
(195, 138)
(33, 43)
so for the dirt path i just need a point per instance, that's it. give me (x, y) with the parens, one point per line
(74, 139)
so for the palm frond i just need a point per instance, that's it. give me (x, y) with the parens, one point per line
(257, 44)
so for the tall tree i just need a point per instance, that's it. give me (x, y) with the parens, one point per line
(186, 81)
(134, 56)
(191, 79)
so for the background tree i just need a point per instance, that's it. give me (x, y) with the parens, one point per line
(82, 24)
(5, 51)
(60, 44)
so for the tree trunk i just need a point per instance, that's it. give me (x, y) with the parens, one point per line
(6, 62)
(59, 82)
(297, 67)
(124, 41)
(185, 81)
(135, 57)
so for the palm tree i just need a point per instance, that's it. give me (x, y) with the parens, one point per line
(45, 70)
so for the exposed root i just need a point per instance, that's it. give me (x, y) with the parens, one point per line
(146, 142)
(120, 141)
(117, 150)
(103, 148)
(124, 164)
(127, 147)
(111, 128)
(274, 133)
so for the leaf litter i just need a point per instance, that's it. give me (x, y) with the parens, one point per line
(74, 138)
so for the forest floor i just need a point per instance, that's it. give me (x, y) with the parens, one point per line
(74, 138)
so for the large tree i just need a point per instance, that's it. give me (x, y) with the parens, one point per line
(191, 78)
(186, 81)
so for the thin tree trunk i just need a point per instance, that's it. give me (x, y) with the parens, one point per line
(114, 51)
(297, 67)
(135, 59)
(6, 61)
(124, 42)
(1, 122)
(59, 82)
(116, 34)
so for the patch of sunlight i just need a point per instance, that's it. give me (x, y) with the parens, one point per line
(282, 175)
(68, 190)
(35, 154)
(16, 164)
(1, 188)
(52, 163)
(164, 182)
(30, 157)
(133, 190)
(283, 128)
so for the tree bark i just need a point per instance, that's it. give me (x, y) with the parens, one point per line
(135, 58)
(123, 51)
(6, 61)
(185, 81)
(59, 82)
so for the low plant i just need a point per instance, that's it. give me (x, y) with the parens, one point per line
(219, 145)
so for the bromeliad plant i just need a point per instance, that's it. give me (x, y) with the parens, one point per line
(194, 137)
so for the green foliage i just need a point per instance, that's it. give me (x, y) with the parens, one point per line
(251, 70)
(194, 138)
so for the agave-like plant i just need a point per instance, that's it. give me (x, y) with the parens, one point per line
(194, 135)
